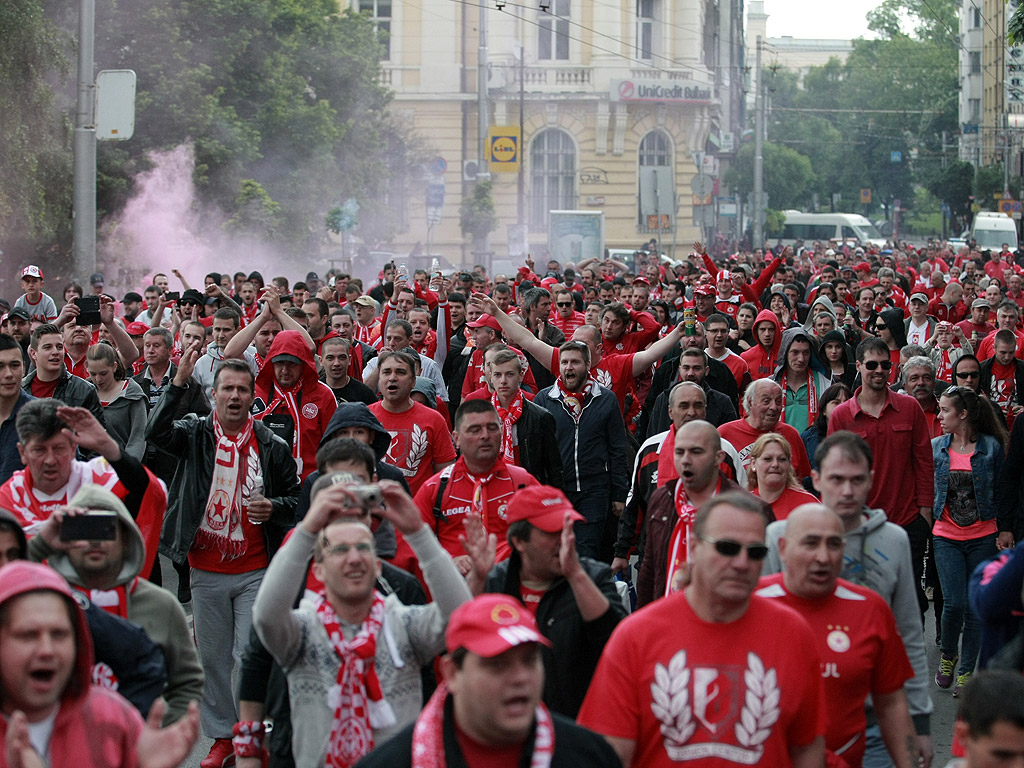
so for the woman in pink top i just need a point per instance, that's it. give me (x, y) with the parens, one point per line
(968, 458)
(771, 476)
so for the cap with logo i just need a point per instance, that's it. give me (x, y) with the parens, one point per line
(32, 271)
(96, 278)
(486, 321)
(491, 624)
(21, 313)
(136, 328)
(542, 506)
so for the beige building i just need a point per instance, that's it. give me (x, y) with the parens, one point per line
(619, 101)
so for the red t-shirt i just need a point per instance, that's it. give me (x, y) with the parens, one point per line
(419, 440)
(790, 499)
(496, 490)
(986, 348)
(861, 652)
(76, 368)
(254, 558)
(1002, 390)
(737, 366)
(44, 388)
(685, 689)
(742, 437)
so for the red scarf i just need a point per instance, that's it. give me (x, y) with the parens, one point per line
(679, 541)
(287, 397)
(357, 698)
(508, 421)
(574, 401)
(235, 469)
(945, 372)
(114, 600)
(666, 458)
(249, 313)
(812, 398)
(428, 735)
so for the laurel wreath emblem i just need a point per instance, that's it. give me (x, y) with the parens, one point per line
(761, 704)
(671, 705)
(419, 441)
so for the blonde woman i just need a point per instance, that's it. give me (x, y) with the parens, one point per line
(770, 475)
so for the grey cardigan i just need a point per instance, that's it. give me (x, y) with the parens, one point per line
(412, 636)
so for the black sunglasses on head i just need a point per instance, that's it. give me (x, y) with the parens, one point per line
(873, 364)
(731, 548)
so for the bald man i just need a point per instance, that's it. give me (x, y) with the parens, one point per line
(697, 458)
(855, 631)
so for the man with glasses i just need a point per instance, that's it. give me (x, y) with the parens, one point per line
(967, 373)
(701, 674)
(896, 429)
(566, 318)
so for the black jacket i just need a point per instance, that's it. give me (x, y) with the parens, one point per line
(576, 644)
(159, 461)
(986, 380)
(538, 445)
(192, 439)
(719, 378)
(719, 410)
(73, 391)
(593, 449)
(575, 747)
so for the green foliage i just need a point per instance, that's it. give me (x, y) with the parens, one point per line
(774, 222)
(476, 212)
(35, 157)
(255, 211)
(1015, 27)
(954, 185)
(988, 182)
(788, 177)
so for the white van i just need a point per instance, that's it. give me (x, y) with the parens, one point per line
(991, 230)
(839, 227)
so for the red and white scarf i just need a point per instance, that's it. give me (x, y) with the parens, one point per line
(812, 398)
(114, 600)
(249, 313)
(428, 735)
(574, 401)
(508, 421)
(287, 397)
(679, 541)
(945, 372)
(357, 698)
(235, 466)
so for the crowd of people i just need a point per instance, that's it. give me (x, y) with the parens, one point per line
(601, 514)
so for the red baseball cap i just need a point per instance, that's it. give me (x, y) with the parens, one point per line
(485, 321)
(136, 328)
(542, 506)
(704, 289)
(491, 624)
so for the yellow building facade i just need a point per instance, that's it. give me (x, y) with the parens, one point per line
(621, 104)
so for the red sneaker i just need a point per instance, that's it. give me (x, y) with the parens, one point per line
(222, 754)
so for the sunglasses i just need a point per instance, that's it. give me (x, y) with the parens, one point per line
(968, 375)
(873, 364)
(730, 548)
(564, 304)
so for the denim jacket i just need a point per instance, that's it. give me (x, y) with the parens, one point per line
(986, 464)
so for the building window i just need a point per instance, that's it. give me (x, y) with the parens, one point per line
(975, 18)
(380, 12)
(552, 176)
(974, 107)
(553, 32)
(975, 62)
(657, 183)
(646, 36)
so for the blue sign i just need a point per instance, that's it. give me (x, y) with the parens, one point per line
(896, 157)
(435, 195)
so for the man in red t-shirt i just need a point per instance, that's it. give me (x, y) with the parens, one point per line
(714, 673)
(854, 629)
(480, 482)
(420, 442)
(1000, 375)
(763, 403)
(1007, 316)
(977, 327)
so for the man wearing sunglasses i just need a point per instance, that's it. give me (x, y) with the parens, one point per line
(896, 429)
(749, 696)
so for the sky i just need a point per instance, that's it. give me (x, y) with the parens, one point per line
(805, 18)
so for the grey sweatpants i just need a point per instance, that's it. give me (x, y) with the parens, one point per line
(222, 618)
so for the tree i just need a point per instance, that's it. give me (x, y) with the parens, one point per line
(476, 214)
(35, 156)
(954, 186)
(788, 177)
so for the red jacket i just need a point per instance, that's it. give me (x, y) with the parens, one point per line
(309, 405)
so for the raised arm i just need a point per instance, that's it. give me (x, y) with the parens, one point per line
(122, 341)
(645, 358)
(519, 335)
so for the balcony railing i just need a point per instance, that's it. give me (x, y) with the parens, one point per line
(558, 77)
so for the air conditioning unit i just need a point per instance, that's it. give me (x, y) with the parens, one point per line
(470, 170)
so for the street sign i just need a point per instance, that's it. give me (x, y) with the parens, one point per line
(1010, 207)
(115, 104)
(865, 195)
(438, 166)
(503, 149)
(435, 195)
(896, 157)
(702, 185)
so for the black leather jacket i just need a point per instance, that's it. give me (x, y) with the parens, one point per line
(192, 440)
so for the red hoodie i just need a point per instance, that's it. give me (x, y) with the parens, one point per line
(307, 406)
(761, 363)
(95, 727)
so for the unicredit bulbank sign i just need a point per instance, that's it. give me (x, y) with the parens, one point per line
(676, 91)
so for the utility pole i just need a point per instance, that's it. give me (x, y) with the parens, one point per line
(758, 204)
(520, 175)
(84, 149)
(482, 174)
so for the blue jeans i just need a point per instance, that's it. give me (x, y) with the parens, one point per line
(955, 562)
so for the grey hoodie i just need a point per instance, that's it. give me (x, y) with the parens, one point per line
(877, 556)
(153, 608)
